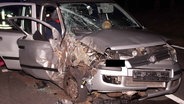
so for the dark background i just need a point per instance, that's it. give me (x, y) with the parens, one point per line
(162, 16)
(137, 5)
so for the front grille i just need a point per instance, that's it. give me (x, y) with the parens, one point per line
(151, 76)
(128, 81)
(158, 53)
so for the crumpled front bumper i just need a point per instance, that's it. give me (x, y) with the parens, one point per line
(126, 82)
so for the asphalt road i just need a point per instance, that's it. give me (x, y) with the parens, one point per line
(16, 88)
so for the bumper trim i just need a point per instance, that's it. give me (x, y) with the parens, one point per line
(164, 92)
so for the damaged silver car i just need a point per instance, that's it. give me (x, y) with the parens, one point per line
(99, 48)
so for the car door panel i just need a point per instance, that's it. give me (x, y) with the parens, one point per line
(37, 56)
(9, 51)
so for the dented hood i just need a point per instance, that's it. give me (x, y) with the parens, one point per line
(120, 39)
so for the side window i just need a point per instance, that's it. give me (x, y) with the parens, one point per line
(15, 10)
(51, 17)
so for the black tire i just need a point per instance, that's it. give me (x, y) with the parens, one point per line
(72, 86)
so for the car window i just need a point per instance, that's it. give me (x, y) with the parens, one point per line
(51, 17)
(92, 16)
(77, 17)
(38, 34)
(15, 10)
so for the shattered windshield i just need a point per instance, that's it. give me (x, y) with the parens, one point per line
(91, 17)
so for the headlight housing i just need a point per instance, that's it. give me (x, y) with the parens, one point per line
(172, 52)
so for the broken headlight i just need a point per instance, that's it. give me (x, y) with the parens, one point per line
(92, 57)
(111, 54)
(172, 52)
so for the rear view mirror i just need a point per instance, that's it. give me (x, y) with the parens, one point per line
(106, 8)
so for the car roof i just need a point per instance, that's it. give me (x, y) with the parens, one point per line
(66, 1)
(86, 1)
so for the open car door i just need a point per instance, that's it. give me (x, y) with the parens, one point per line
(37, 53)
(9, 51)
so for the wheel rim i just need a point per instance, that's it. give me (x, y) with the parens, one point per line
(72, 88)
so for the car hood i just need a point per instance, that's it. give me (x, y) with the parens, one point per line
(120, 39)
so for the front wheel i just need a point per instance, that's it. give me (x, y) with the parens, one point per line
(73, 86)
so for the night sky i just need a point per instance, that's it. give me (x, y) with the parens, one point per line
(134, 5)
(165, 17)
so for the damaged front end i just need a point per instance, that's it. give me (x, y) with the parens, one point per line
(125, 63)
(141, 72)
(146, 72)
